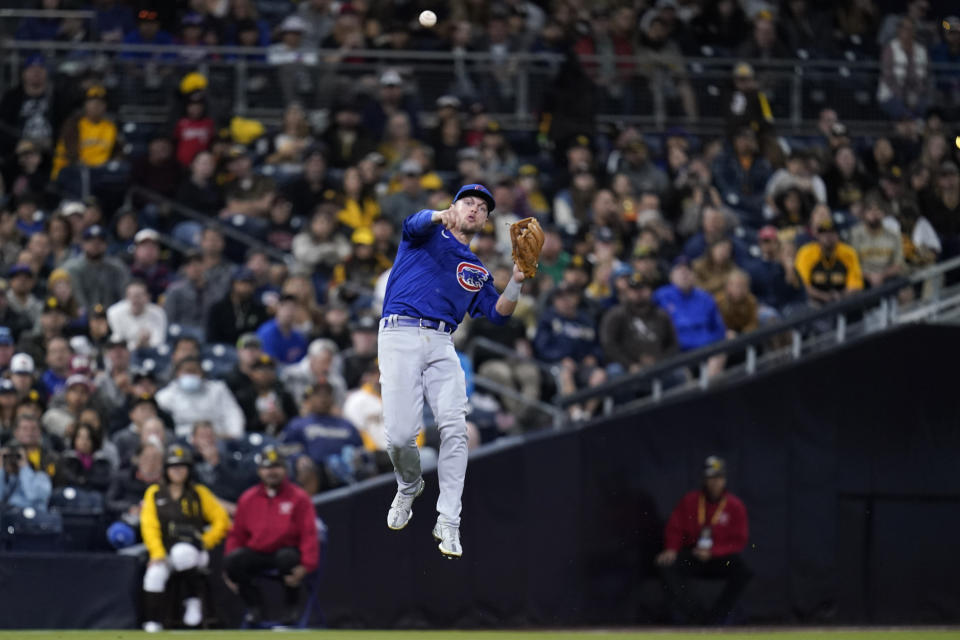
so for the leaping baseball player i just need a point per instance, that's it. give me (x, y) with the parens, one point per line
(435, 280)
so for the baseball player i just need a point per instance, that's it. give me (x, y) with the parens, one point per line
(435, 280)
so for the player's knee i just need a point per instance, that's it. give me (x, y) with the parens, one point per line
(155, 578)
(453, 419)
(287, 558)
(184, 556)
(235, 563)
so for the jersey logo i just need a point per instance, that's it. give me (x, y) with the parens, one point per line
(471, 276)
(443, 232)
(286, 508)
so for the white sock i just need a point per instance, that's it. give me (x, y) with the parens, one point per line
(193, 612)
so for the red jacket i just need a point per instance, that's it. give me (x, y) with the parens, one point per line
(729, 532)
(267, 524)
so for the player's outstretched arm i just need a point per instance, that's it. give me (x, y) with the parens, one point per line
(445, 217)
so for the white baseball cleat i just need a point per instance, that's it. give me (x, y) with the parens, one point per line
(193, 612)
(152, 627)
(449, 538)
(401, 509)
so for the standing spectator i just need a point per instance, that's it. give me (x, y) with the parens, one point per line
(89, 138)
(764, 42)
(740, 173)
(706, 533)
(188, 300)
(22, 486)
(189, 399)
(695, 316)
(942, 208)
(137, 320)
(830, 269)
(904, 90)
(181, 520)
(275, 529)
(279, 339)
(97, 278)
(158, 170)
(636, 333)
(237, 313)
(879, 250)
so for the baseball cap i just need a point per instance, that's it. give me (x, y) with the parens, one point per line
(58, 275)
(294, 24)
(743, 70)
(78, 378)
(27, 146)
(143, 398)
(116, 340)
(391, 78)
(411, 168)
(468, 153)
(148, 15)
(19, 269)
(146, 234)
(714, 466)
(22, 363)
(365, 323)
(680, 261)
(448, 101)
(951, 23)
(72, 208)
(140, 373)
(6, 338)
(192, 19)
(270, 457)
(768, 232)
(249, 341)
(93, 232)
(362, 236)
(826, 225)
(98, 311)
(177, 454)
(264, 361)
(52, 304)
(96, 92)
(477, 190)
(6, 386)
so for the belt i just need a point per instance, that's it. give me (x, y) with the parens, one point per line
(423, 323)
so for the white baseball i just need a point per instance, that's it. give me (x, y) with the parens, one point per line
(428, 18)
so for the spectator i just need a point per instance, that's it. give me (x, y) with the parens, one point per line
(636, 333)
(22, 369)
(29, 215)
(764, 44)
(738, 307)
(360, 206)
(667, 77)
(217, 270)
(33, 109)
(347, 141)
(65, 412)
(704, 538)
(189, 399)
(246, 192)
(85, 464)
(364, 409)
(181, 520)
(158, 170)
(712, 269)
(644, 175)
(319, 366)
(941, 206)
(278, 337)
(237, 313)
(140, 409)
(137, 320)
(904, 89)
(27, 432)
(248, 352)
(97, 278)
(797, 175)
(879, 250)
(225, 475)
(54, 378)
(31, 171)
(319, 19)
(322, 436)
(721, 26)
(695, 316)
(8, 408)
(195, 130)
(275, 529)
(305, 191)
(846, 180)
(89, 138)
(829, 268)
(188, 300)
(124, 498)
(292, 141)
(362, 352)
(147, 266)
(266, 405)
(566, 331)
(773, 278)
(291, 49)
(22, 486)
(740, 173)
(198, 191)
(410, 198)
(20, 298)
(148, 31)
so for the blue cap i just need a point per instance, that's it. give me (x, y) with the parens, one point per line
(6, 338)
(94, 231)
(121, 535)
(244, 274)
(18, 269)
(476, 190)
(35, 59)
(680, 261)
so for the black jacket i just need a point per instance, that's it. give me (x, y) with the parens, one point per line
(226, 323)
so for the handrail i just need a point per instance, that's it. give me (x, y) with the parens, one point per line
(48, 13)
(480, 342)
(209, 221)
(756, 338)
(555, 412)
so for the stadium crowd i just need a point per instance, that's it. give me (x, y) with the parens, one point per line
(220, 289)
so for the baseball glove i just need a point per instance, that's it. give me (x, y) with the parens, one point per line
(526, 236)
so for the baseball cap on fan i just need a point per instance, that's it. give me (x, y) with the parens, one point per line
(476, 190)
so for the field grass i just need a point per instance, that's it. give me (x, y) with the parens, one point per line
(733, 634)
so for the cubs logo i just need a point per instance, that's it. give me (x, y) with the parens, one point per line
(471, 276)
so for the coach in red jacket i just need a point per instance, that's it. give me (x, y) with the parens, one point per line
(704, 537)
(274, 528)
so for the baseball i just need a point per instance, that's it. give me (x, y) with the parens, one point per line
(428, 18)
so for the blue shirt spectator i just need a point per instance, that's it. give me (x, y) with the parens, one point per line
(112, 20)
(278, 337)
(740, 173)
(768, 276)
(318, 434)
(20, 485)
(695, 316)
(148, 31)
(565, 331)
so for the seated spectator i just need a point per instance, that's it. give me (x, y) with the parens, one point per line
(704, 538)
(137, 320)
(737, 305)
(22, 375)
(360, 206)
(904, 89)
(6, 348)
(773, 277)
(693, 311)
(293, 140)
(130, 482)
(198, 190)
(20, 298)
(22, 486)
(275, 530)
(278, 337)
(195, 130)
(65, 411)
(248, 352)
(180, 521)
(54, 378)
(847, 182)
(712, 269)
(320, 365)
(13, 320)
(636, 333)
(319, 248)
(189, 399)
(309, 189)
(266, 405)
(189, 299)
(89, 138)
(740, 173)
(142, 408)
(147, 265)
(942, 207)
(238, 313)
(829, 268)
(85, 464)
(97, 278)
(8, 408)
(246, 192)
(879, 250)
(565, 331)
(26, 431)
(410, 198)
(363, 408)
(158, 170)
(225, 475)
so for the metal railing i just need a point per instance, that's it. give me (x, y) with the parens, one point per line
(874, 310)
(243, 79)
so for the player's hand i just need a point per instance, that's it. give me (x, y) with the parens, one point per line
(446, 217)
(666, 558)
(701, 554)
(295, 577)
(517, 274)
(230, 583)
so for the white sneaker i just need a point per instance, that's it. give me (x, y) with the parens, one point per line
(449, 538)
(152, 627)
(192, 612)
(401, 509)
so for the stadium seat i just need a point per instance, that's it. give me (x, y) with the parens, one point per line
(30, 530)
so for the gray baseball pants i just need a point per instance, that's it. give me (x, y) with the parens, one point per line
(418, 363)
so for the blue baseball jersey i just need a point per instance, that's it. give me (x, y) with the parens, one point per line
(436, 276)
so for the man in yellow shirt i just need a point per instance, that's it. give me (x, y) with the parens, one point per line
(830, 269)
(89, 138)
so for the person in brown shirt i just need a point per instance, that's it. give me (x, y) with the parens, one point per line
(737, 305)
(637, 333)
(712, 268)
